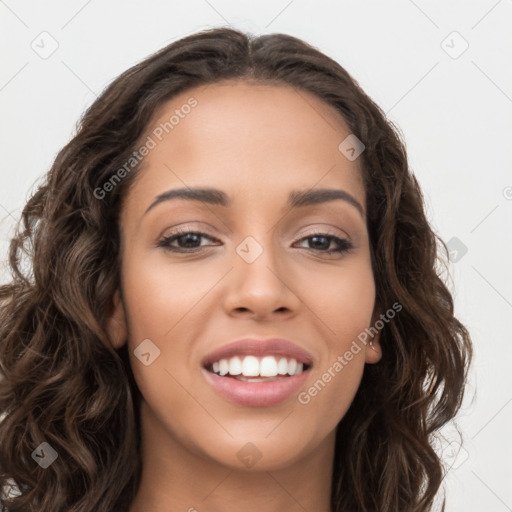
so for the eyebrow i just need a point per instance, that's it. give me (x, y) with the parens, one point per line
(296, 199)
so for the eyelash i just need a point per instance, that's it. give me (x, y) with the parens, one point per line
(344, 244)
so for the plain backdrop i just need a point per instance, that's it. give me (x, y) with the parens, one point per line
(438, 69)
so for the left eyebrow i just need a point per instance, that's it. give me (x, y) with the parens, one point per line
(296, 199)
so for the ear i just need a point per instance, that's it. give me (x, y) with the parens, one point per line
(116, 323)
(373, 352)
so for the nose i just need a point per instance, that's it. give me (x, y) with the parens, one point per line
(261, 288)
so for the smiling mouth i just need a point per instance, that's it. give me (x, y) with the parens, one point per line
(250, 368)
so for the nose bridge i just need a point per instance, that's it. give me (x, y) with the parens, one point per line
(257, 258)
(259, 278)
(258, 244)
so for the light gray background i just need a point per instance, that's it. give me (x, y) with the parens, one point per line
(453, 106)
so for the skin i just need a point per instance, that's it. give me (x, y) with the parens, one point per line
(256, 143)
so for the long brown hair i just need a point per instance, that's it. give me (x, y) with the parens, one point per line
(63, 383)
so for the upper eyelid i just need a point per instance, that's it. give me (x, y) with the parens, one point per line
(338, 231)
(185, 230)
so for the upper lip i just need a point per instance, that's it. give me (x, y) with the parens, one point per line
(255, 347)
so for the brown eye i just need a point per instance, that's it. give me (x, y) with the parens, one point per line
(322, 241)
(187, 241)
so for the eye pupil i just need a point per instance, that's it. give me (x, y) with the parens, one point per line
(322, 245)
(187, 239)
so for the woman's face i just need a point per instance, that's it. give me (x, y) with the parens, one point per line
(259, 269)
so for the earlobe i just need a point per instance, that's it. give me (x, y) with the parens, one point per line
(373, 352)
(116, 323)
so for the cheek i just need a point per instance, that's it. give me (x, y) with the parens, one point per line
(165, 303)
(160, 294)
(342, 299)
(344, 305)
(160, 303)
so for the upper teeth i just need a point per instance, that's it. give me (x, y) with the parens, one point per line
(251, 366)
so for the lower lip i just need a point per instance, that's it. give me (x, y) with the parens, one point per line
(256, 394)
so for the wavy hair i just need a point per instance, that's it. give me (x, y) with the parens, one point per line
(63, 383)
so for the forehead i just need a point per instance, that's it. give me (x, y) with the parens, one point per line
(244, 137)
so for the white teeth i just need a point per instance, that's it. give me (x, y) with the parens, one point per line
(268, 367)
(282, 366)
(235, 366)
(292, 366)
(223, 366)
(252, 366)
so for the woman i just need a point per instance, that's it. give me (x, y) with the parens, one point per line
(235, 301)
